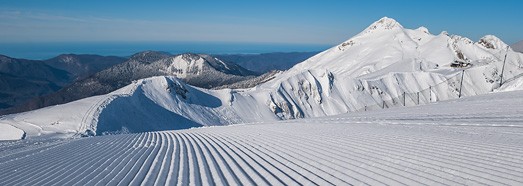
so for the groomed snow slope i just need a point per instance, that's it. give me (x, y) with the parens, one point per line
(448, 143)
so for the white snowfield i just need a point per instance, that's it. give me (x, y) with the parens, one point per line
(447, 143)
(10, 133)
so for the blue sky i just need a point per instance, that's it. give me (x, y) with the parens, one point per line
(325, 22)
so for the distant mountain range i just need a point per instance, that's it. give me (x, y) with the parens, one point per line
(83, 65)
(21, 79)
(196, 69)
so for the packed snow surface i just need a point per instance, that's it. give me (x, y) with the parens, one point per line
(445, 143)
(8, 132)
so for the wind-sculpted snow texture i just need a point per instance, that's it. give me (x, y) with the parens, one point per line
(448, 143)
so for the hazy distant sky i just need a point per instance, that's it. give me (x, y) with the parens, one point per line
(248, 21)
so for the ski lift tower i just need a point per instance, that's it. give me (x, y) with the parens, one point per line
(503, 68)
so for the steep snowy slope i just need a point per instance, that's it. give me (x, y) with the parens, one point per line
(383, 62)
(384, 66)
(449, 143)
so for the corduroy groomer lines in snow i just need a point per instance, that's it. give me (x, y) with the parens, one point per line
(423, 145)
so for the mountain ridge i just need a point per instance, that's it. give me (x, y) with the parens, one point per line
(22, 79)
(197, 69)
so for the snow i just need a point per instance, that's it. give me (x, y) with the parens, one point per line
(444, 143)
(177, 135)
(8, 132)
(516, 84)
(64, 121)
(182, 66)
(157, 103)
(378, 65)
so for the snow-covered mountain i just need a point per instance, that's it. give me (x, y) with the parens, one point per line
(196, 69)
(375, 67)
(385, 60)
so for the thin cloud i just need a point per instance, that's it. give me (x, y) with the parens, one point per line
(47, 27)
(19, 15)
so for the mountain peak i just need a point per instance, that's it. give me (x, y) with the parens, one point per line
(215, 63)
(384, 23)
(492, 42)
(423, 29)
